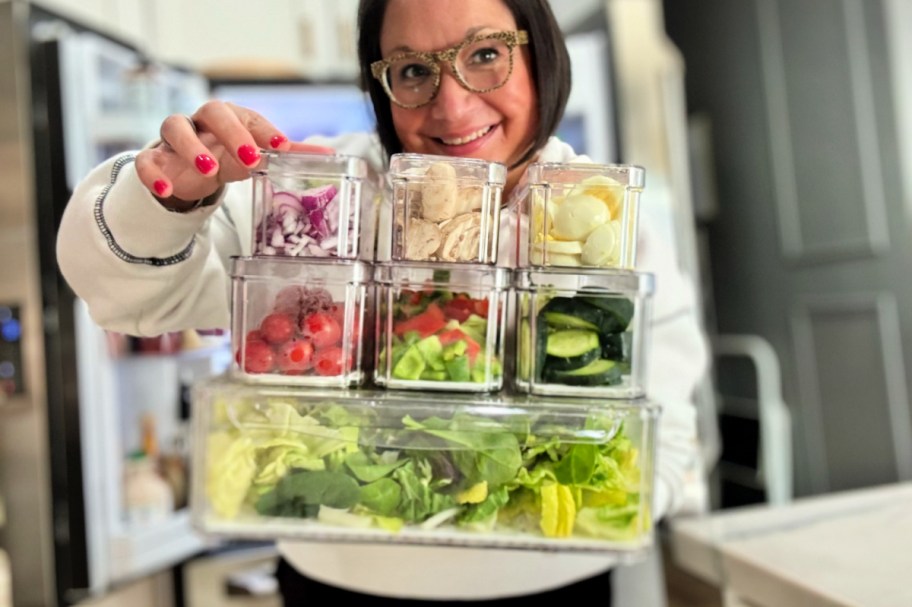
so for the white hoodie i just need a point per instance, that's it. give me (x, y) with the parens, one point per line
(144, 270)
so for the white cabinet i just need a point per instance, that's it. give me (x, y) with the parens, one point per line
(124, 19)
(310, 38)
(271, 38)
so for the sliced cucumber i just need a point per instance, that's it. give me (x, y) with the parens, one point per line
(571, 343)
(558, 363)
(559, 320)
(572, 313)
(617, 346)
(599, 372)
(541, 344)
(619, 312)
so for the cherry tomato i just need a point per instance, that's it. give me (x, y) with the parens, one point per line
(258, 357)
(295, 356)
(277, 328)
(329, 361)
(322, 329)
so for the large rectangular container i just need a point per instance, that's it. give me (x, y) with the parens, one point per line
(440, 326)
(410, 468)
(315, 205)
(580, 215)
(582, 333)
(306, 323)
(445, 209)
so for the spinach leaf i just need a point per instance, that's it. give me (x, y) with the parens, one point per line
(482, 450)
(368, 471)
(578, 465)
(382, 496)
(301, 493)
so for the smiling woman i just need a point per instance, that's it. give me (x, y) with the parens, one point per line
(509, 122)
(480, 79)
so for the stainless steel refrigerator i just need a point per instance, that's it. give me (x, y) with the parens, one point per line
(69, 402)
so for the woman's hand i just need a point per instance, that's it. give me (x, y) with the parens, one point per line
(198, 154)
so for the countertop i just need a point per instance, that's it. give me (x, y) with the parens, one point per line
(844, 549)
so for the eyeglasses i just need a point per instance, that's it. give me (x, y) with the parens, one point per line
(480, 64)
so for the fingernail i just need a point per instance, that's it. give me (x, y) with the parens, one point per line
(277, 140)
(205, 163)
(248, 155)
(161, 186)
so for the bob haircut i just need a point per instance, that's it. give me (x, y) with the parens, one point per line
(550, 64)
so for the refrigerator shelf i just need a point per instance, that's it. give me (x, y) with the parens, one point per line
(138, 550)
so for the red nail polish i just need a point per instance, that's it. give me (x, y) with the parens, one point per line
(248, 155)
(205, 163)
(161, 186)
(277, 140)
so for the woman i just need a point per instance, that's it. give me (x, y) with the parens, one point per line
(146, 239)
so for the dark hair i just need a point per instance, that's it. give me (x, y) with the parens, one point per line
(550, 67)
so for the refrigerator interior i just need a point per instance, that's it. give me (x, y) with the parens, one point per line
(76, 398)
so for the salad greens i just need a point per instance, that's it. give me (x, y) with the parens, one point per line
(285, 459)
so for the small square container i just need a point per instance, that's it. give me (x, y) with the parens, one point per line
(581, 215)
(301, 323)
(445, 209)
(440, 326)
(582, 334)
(315, 205)
(404, 468)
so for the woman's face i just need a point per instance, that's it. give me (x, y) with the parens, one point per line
(499, 125)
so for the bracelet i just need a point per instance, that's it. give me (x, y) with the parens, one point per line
(205, 201)
(192, 207)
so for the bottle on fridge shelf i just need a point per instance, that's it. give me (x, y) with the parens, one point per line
(147, 497)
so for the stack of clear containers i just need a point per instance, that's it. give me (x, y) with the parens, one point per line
(441, 318)
(446, 440)
(583, 311)
(302, 305)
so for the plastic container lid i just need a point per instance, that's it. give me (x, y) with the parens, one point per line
(325, 166)
(413, 167)
(602, 280)
(572, 173)
(446, 275)
(327, 269)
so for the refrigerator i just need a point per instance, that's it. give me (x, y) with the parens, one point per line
(77, 403)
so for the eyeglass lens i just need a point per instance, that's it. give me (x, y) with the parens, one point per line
(482, 65)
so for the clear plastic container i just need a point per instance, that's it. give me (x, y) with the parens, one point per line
(301, 323)
(440, 326)
(315, 205)
(582, 334)
(581, 215)
(445, 209)
(436, 469)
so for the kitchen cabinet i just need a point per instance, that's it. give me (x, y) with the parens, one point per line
(124, 19)
(274, 38)
(279, 38)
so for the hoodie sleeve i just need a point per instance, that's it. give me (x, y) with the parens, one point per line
(142, 269)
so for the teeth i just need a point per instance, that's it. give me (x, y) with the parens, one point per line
(467, 138)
